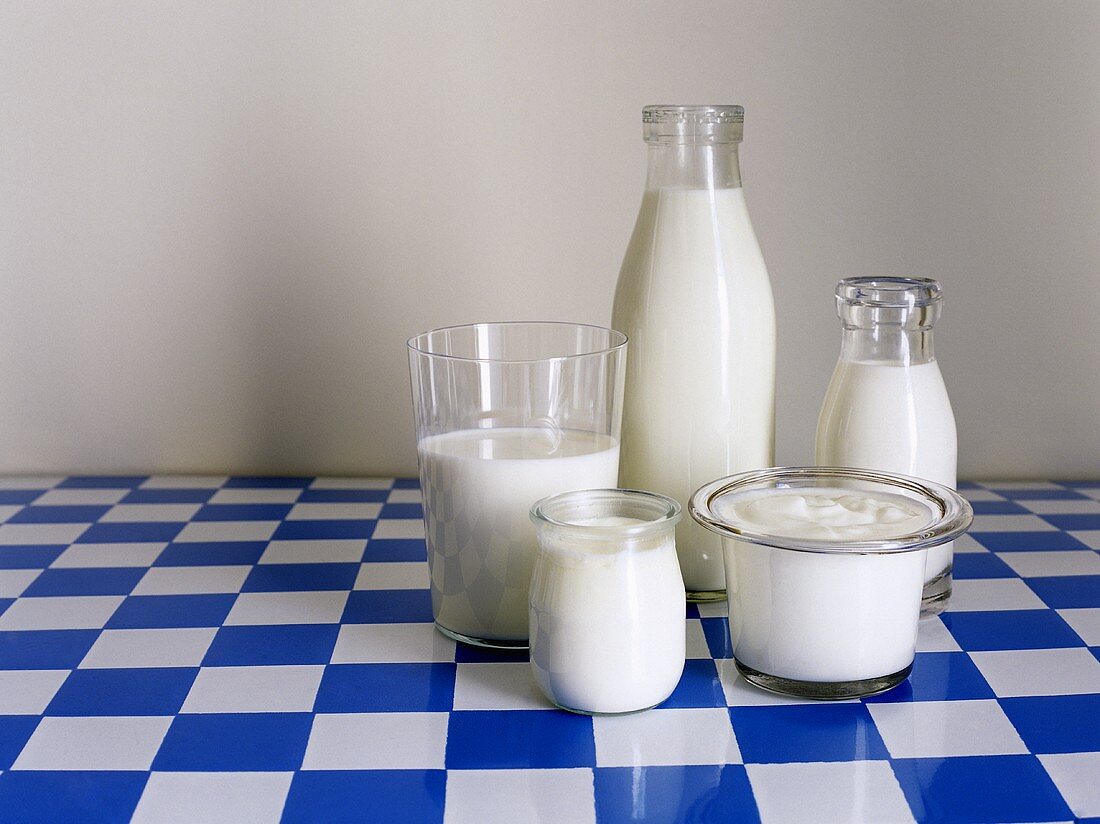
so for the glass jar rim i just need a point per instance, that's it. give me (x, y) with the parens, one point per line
(617, 340)
(667, 511)
(953, 519)
(888, 291)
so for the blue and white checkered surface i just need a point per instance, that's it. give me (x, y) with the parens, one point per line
(257, 649)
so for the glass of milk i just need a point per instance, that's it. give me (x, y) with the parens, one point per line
(607, 600)
(506, 414)
(825, 569)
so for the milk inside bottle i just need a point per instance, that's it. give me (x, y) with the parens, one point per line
(886, 406)
(695, 301)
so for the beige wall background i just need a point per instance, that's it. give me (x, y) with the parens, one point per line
(219, 222)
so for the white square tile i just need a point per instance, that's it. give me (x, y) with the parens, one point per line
(192, 580)
(967, 543)
(7, 511)
(995, 484)
(387, 528)
(198, 531)
(108, 555)
(504, 686)
(984, 594)
(1045, 564)
(351, 483)
(714, 609)
(184, 482)
(941, 729)
(335, 512)
(334, 551)
(14, 581)
(213, 798)
(255, 496)
(1075, 775)
(169, 647)
(254, 689)
(740, 693)
(841, 791)
(1010, 523)
(1085, 622)
(394, 575)
(69, 612)
(1039, 671)
(148, 513)
(404, 496)
(1089, 537)
(377, 741)
(81, 497)
(391, 644)
(933, 636)
(696, 640)
(28, 692)
(520, 796)
(99, 743)
(30, 481)
(287, 608)
(41, 534)
(666, 737)
(1058, 507)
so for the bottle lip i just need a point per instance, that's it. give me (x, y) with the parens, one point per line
(888, 292)
(697, 123)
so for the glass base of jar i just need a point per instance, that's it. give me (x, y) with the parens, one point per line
(575, 711)
(937, 593)
(823, 690)
(487, 643)
(705, 596)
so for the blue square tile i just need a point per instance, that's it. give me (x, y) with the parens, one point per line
(212, 553)
(717, 633)
(242, 512)
(692, 611)
(818, 732)
(144, 691)
(240, 742)
(387, 549)
(29, 557)
(14, 732)
(386, 688)
(973, 790)
(168, 496)
(103, 482)
(998, 508)
(151, 532)
(519, 739)
(670, 794)
(269, 645)
(1041, 494)
(106, 581)
(1027, 541)
(30, 797)
(5, 603)
(979, 565)
(343, 496)
(45, 648)
(402, 511)
(968, 485)
(406, 483)
(469, 654)
(1074, 522)
(1056, 723)
(19, 497)
(1068, 592)
(58, 515)
(388, 606)
(368, 796)
(1010, 629)
(699, 686)
(323, 530)
(939, 676)
(300, 577)
(265, 482)
(151, 611)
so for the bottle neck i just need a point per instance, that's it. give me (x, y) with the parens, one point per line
(887, 344)
(693, 166)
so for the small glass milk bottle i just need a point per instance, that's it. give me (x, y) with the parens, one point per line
(887, 407)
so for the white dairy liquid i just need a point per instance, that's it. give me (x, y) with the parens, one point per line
(607, 620)
(824, 617)
(695, 301)
(479, 486)
(893, 418)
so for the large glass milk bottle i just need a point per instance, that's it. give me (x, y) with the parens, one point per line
(887, 407)
(695, 301)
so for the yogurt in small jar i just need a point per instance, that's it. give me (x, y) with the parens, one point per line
(824, 573)
(607, 600)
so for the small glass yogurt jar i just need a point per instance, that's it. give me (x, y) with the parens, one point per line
(606, 600)
(824, 572)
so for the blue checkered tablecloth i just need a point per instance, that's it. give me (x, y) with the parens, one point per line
(256, 649)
